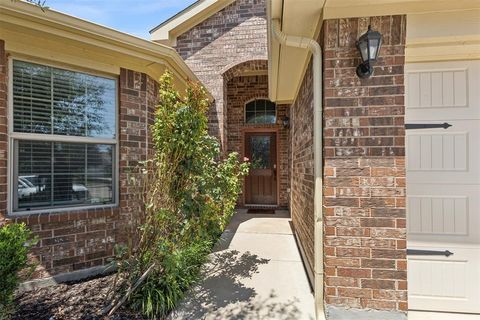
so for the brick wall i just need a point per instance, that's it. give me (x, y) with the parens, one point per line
(240, 90)
(78, 239)
(364, 174)
(72, 240)
(236, 34)
(138, 94)
(302, 168)
(3, 132)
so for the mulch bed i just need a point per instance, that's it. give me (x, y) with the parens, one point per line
(72, 301)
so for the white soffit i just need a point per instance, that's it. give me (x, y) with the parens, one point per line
(443, 36)
(304, 18)
(367, 8)
(298, 18)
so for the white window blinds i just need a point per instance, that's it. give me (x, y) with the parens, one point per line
(51, 170)
(54, 101)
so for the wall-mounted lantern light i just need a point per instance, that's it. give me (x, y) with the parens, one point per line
(369, 46)
(286, 122)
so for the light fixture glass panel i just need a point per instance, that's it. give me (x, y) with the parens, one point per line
(363, 46)
(374, 45)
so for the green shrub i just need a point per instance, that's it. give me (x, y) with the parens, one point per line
(180, 269)
(188, 195)
(15, 241)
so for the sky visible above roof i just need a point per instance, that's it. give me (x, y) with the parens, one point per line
(135, 17)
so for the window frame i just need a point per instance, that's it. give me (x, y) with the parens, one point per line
(259, 124)
(18, 136)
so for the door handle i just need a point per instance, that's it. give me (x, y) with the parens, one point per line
(414, 252)
(444, 125)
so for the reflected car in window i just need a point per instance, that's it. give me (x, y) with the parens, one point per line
(26, 188)
(34, 188)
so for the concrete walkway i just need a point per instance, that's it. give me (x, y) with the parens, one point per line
(255, 272)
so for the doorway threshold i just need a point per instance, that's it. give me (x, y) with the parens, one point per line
(261, 206)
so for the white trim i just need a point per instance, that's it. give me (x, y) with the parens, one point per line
(60, 138)
(10, 140)
(65, 209)
(17, 136)
(167, 31)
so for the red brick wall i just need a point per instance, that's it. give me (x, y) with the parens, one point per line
(138, 94)
(236, 34)
(78, 239)
(3, 132)
(241, 90)
(302, 169)
(364, 174)
(72, 240)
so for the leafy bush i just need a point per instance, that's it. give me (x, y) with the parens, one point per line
(161, 292)
(188, 195)
(15, 241)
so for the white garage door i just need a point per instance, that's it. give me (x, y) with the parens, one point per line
(443, 186)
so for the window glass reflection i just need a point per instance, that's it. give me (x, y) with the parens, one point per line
(260, 146)
(260, 112)
(52, 174)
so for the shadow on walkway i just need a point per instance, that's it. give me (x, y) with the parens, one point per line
(240, 284)
(222, 296)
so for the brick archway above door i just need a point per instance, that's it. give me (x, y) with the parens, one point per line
(245, 67)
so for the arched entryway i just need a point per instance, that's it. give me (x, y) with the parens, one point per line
(256, 128)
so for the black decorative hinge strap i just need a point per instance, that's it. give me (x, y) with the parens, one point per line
(444, 125)
(414, 252)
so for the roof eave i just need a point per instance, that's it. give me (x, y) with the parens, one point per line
(168, 31)
(287, 66)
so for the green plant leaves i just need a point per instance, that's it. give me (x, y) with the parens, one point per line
(15, 242)
(189, 196)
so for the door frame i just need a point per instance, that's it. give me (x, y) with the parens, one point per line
(276, 131)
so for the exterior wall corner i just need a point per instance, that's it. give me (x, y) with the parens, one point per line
(364, 173)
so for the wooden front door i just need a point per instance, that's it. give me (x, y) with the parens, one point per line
(261, 183)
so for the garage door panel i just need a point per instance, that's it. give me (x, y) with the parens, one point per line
(444, 155)
(438, 211)
(438, 88)
(438, 151)
(438, 215)
(448, 87)
(443, 186)
(444, 283)
(437, 278)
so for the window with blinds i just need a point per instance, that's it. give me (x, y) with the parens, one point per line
(64, 138)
